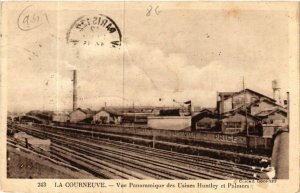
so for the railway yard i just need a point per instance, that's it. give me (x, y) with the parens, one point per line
(136, 155)
(234, 140)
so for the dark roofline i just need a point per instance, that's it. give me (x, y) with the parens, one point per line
(208, 109)
(85, 111)
(110, 112)
(231, 94)
(80, 109)
(272, 111)
(240, 111)
(247, 89)
(271, 102)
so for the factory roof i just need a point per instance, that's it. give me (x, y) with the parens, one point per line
(111, 111)
(208, 109)
(85, 111)
(202, 114)
(268, 112)
(267, 101)
(61, 113)
(230, 94)
(240, 111)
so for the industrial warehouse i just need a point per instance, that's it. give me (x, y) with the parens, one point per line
(234, 139)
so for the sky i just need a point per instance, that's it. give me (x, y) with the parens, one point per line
(182, 52)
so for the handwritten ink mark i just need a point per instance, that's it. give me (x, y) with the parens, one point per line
(29, 21)
(156, 11)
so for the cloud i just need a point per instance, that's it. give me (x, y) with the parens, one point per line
(190, 64)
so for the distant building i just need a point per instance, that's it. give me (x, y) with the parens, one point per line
(169, 118)
(62, 117)
(137, 118)
(107, 117)
(81, 115)
(205, 119)
(170, 122)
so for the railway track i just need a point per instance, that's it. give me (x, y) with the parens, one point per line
(91, 133)
(18, 144)
(97, 135)
(169, 171)
(149, 162)
(195, 162)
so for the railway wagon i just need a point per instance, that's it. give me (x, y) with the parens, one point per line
(256, 143)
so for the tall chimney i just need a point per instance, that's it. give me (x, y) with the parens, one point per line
(276, 91)
(222, 103)
(74, 90)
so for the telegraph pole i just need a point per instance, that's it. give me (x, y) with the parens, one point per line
(288, 109)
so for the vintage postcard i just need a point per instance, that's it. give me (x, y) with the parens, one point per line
(149, 96)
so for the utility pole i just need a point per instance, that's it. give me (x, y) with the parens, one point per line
(134, 121)
(74, 90)
(288, 109)
(245, 107)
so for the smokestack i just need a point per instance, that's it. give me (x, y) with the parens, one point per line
(74, 90)
(276, 91)
(222, 103)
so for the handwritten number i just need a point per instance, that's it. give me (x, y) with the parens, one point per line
(156, 11)
(149, 11)
(29, 19)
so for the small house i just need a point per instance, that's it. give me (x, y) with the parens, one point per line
(205, 119)
(61, 117)
(81, 115)
(107, 117)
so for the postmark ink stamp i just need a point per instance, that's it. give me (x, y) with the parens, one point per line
(98, 31)
(31, 18)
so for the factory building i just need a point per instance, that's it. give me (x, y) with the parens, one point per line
(228, 101)
(81, 115)
(277, 116)
(249, 110)
(272, 120)
(237, 121)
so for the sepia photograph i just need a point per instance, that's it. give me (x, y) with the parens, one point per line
(150, 91)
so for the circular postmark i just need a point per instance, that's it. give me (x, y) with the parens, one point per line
(99, 31)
